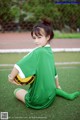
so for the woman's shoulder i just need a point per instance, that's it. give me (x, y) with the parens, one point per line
(39, 50)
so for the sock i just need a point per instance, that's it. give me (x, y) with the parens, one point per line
(16, 90)
(66, 95)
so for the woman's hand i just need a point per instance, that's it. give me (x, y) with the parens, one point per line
(12, 80)
(11, 77)
(57, 83)
(59, 87)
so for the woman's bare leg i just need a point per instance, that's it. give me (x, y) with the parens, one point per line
(20, 94)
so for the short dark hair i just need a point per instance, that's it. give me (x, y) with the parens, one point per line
(46, 25)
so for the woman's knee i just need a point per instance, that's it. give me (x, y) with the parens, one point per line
(16, 90)
(20, 94)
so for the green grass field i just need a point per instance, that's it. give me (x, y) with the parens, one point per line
(61, 109)
(58, 34)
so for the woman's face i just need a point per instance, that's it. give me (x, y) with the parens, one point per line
(40, 40)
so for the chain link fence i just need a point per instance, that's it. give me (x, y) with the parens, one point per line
(21, 15)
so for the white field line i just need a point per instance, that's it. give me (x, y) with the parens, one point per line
(29, 50)
(67, 63)
(6, 65)
(57, 63)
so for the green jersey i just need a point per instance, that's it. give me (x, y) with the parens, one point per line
(40, 62)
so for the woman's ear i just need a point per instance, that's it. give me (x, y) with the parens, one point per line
(48, 37)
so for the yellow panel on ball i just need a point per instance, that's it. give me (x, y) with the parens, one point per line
(24, 81)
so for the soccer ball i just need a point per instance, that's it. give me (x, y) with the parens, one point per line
(24, 81)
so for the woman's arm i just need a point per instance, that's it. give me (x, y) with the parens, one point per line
(11, 77)
(57, 83)
(56, 79)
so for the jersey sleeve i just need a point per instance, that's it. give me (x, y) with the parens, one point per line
(27, 65)
(56, 75)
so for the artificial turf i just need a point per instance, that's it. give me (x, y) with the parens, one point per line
(61, 109)
(59, 57)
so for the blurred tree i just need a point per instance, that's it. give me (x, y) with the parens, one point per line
(28, 12)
